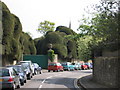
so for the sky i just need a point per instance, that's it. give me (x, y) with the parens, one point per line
(61, 12)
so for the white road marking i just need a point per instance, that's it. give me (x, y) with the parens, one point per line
(40, 87)
(43, 81)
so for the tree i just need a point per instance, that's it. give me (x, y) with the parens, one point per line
(46, 26)
(84, 49)
(104, 26)
(101, 31)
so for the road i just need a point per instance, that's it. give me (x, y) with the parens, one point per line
(53, 80)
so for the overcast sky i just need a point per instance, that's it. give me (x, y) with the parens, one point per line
(61, 12)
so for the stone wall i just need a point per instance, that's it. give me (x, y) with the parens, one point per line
(107, 71)
(107, 53)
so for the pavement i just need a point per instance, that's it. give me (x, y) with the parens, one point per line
(44, 70)
(88, 83)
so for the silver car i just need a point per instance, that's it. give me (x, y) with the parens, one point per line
(21, 72)
(9, 78)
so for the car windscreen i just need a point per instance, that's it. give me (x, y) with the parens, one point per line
(18, 68)
(25, 65)
(4, 72)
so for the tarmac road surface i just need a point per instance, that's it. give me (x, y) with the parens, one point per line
(55, 80)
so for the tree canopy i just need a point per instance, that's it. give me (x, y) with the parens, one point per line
(103, 27)
(45, 27)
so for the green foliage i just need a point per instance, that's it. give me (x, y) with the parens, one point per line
(103, 28)
(8, 23)
(61, 50)
(84, 49)
(40, 45)
(14, 42)
(71, 47)
(64, 47)
(28, 44)
(46, 26)
(17, 27)
(66, 30)
(51, 37)
(51, 55)
(54, 37)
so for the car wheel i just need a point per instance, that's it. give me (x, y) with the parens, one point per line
(48, 70)
(13, 87)
(25, 81)
(18, 86)
(33, 74)
(40, 72)
(29, 78)
(22, 83)
(82, 68)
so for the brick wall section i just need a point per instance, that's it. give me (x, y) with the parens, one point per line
(107, 71)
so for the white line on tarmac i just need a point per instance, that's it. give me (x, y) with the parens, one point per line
(40, 87)
(43, 81)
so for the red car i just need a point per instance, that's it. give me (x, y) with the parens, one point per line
(55, 66)
(84, 67)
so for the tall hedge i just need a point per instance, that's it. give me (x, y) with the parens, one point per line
(65, 48)
(14, 41)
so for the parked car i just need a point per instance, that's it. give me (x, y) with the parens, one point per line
(89, 65)
(75, 65)
(79, 66)
(67, 66)
(27, 69)
(9, 78)
(37, 69)
(55, 66)
(30, 65)
(84, 66)
(21, 73)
